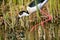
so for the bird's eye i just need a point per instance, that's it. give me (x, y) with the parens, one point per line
(21, 12)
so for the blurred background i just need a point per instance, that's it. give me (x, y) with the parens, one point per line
(13, 28)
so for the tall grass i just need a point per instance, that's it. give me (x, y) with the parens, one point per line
(12, 25)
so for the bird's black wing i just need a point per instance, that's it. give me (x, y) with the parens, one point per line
(32, 4)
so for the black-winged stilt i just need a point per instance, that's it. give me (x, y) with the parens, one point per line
(32, 7)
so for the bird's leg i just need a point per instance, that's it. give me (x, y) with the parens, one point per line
(42, 22)
(47, 15)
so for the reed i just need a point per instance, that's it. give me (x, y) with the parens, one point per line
(10, 9)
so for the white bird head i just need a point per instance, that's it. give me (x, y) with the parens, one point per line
(23, 13)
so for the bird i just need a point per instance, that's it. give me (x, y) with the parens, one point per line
(32, 7)
(23, 13)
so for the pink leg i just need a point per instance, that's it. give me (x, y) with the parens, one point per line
(46, 20)
(42, 22)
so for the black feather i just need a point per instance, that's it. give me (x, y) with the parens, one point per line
(32, 4)
(21, 12)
